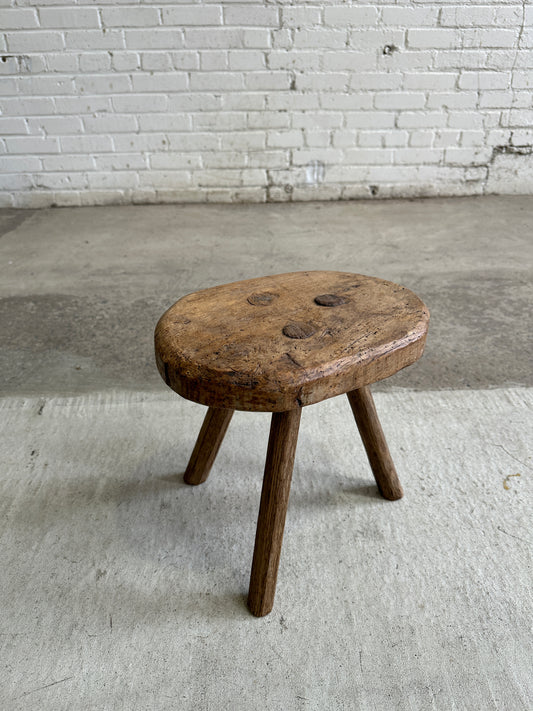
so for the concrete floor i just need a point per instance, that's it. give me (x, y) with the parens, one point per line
(122, 588)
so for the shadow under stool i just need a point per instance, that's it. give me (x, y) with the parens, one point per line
(276, 344)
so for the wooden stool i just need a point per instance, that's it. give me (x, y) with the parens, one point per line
(276, 344)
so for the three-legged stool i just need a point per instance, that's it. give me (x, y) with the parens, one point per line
(276, 344)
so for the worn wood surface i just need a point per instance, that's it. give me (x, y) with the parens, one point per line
(272, 510)
(281, 342)
(207, 445)
(366, 417)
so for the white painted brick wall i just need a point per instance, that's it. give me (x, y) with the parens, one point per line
(119, 101)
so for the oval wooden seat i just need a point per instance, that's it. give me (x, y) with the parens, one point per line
(281, 342)
(278, 343)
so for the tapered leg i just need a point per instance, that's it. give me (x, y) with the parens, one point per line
(207, 445)
(373, 438)
(272, 510)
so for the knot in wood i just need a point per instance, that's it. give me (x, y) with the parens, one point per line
(298, 329)
(261, 299)
(329, 300)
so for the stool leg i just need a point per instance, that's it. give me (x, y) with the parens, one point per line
(207, 445)
(375, 444)
(272, 510)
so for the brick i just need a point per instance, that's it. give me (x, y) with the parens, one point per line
(217, 81)
(244, 102)
(141, 142)
(342, 102)
(344, 139)
(62, 62)
(410, 16)
(164, 122)
(12, 126)
(110, 123)
(434, 38)
(467, 16)
(417, 156)
(18, 19)
(160, 82)
(20, 164)
(55, 125)
(223, 159)
(145, 17)
(495, 99)
(213, 60)
(69, 18)
(461, 59)
(300, 16)
(187, 15)
(94, 39)
(421, 119)
(257, 16)
(160, 39)
(15, 182)
(472, 138)
(225, 38)
(324, 81)
(465, 119)
(431, 81)
(370, 119)
(376, 81)
(468, 156)
(315, 119)
(421, 138)
(102, 83)
(349, 60)
(227, 121)
(61, 163)
(185, 60)
(156, 61)
(194, 142)
(284, 139)
(395, 138)
(113, 179)
(36, 41)
(82, 104)
(86, 144)
(445, 139)
(369, 156)
(121, 161)
(132, 103)
(28, 106)
(456, 100)
(32, 144)
(484, 80)
(268, 119)
(522, 80)
(487, 38)
(322, 39)
(267, 81)
(405, 100)
(125, 61)
(350, 16)
(364, 40)
(317, 139)
(194, 102)
(95, 62)
(248, 60)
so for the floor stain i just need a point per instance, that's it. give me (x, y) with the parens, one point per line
(506, 482)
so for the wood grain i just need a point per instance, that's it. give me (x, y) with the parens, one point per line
(272, 510)
(366, 417)
(207, 445)
(236, 346)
